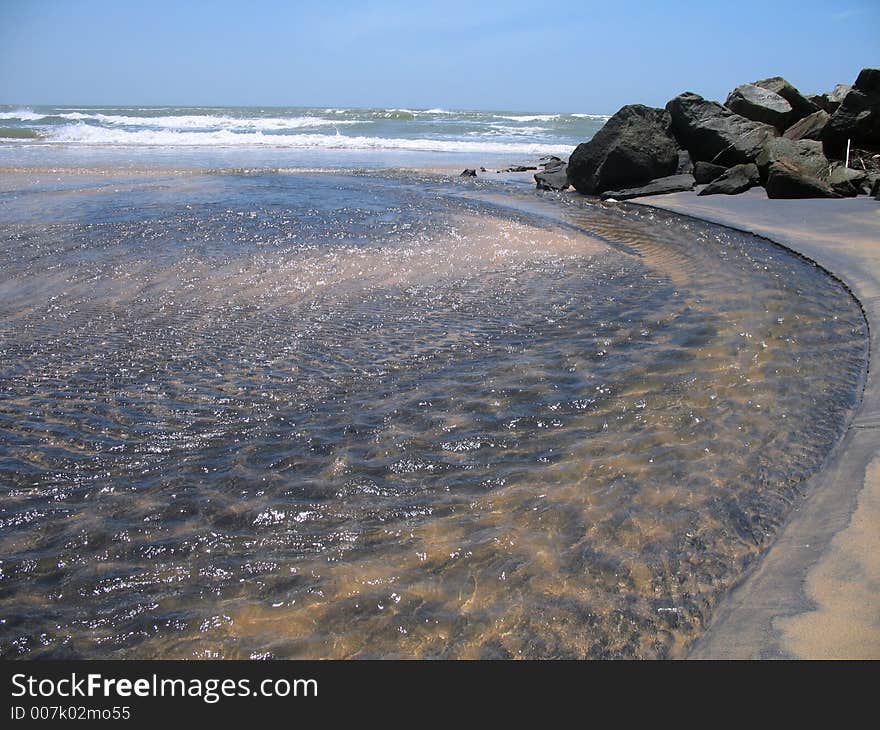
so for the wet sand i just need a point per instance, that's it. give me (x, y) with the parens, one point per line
(816, 592)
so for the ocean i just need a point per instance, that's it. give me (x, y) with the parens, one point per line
(295, 136)
(281, 384)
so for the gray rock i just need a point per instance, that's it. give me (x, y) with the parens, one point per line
(734, 181)
(706, 172)
(760, 105)
(551, 162)
(805, 153)
(553, 178)
(669, 184)
(713, 133)
(787, 179)
(845, 181)
(634, 146)
(801, 106)
(685, 163)
(809, 127)
(857, 118)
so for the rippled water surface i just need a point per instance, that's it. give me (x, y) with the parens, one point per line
(286, 415)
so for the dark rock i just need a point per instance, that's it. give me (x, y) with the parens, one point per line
(669, 184)
(845, 181)
(857, 118)
(520, 168)
(713, 133)
(734, 181)
(787, 179)
(706, 172)
(868, 81)
(830, 100)
(804, 153)
(469, 172)
(818, 100)
(809, 127)
(685, 163)
(553, 178)
(875, 188)
(760, 105)
(551, 161)
(634, 146)
(801, 106)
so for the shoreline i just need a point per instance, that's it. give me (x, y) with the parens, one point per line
(815, 593)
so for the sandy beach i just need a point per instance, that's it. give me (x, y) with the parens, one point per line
(816, 592)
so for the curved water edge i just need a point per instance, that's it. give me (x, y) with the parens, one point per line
(484, 424)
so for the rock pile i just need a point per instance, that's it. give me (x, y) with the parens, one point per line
(766, 133)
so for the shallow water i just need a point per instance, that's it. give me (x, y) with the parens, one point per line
(284, 415)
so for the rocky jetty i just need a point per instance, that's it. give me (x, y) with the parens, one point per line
(766, 133)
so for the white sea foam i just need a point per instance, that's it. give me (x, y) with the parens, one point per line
(86, 134)
(24, 115)
(529, 117)
(499, 128)
(212, 122)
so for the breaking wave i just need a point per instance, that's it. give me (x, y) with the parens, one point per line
(81, 133)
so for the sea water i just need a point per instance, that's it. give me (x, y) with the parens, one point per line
(298, 136)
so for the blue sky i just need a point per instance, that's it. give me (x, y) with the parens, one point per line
(576, 56)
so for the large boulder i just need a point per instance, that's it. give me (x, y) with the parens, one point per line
(787, 179)
(713, 133)
(805, 153)
(733, 181)
(706, 172)
(668, 184)
(760, 105)
(857, 118)
(810, 127)
(636, 145)
(800, 106)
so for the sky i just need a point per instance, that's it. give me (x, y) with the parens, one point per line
(574, 56)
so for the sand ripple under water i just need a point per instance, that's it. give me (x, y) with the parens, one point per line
(278, 415)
